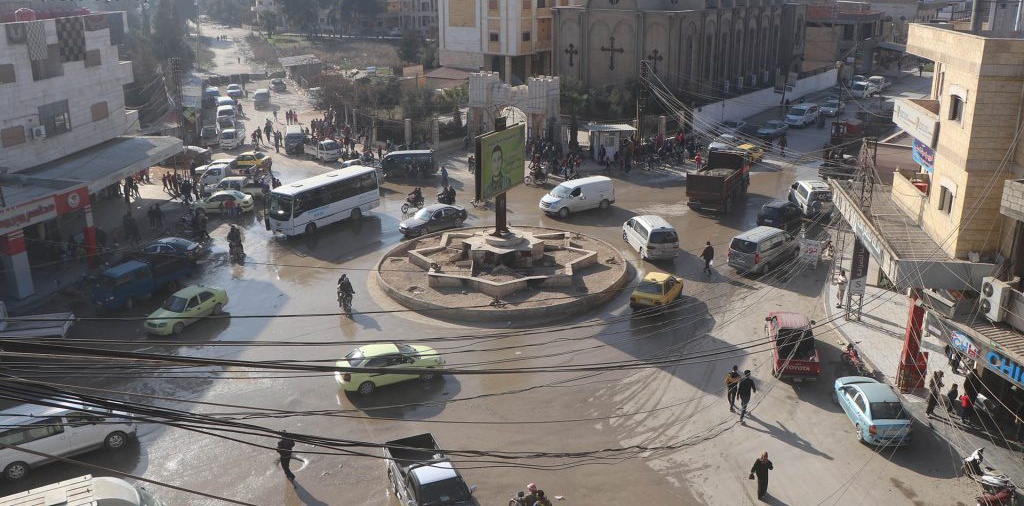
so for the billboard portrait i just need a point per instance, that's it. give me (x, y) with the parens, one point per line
(501, 157)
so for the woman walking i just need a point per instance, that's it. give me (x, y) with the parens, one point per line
(760, 469)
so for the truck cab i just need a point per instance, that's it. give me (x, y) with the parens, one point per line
(421, 475)
(794, 350)
(123, 284)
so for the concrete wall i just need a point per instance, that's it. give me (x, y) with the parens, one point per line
(82, 87)
(710, 116)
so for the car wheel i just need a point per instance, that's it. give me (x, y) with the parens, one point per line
(835, 398)
(604, 204)
(421, 232)
(458, 223)
(563, 212)
(357, 214)
(428, 376)
(642, 254)
(625, 238)
(178, 328)
(766, 268)
(16, 471)
(218, 308)
(116, 440)
(367, 388)
(310, 228)
(860, 434)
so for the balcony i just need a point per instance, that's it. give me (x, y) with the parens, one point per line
(910, 193)
(918, 117)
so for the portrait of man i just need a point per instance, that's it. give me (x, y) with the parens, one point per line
(500, 180)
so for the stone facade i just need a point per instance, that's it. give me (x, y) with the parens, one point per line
(712, 46)
(976, 100)
(92, 88)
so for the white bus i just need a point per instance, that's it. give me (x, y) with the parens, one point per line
(302, 206)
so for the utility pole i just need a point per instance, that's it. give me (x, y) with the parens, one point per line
(641, 104)
(176, 90)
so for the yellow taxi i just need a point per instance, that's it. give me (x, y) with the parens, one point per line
(756, 153)
(252, 160)
(656, 289)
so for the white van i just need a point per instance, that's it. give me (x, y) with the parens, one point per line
(651, 236)
(225, 111)
(812, 196)
(232, 137)
(213, 173)
(579, 195)
(802, 115)
(63, 431)
(222, 101)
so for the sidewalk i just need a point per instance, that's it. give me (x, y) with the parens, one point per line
(879, 339)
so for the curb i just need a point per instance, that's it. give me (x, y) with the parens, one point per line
(494, 314)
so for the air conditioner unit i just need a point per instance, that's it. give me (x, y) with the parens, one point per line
(725, 87)
(753, 80)
(994, 294)
(38, 132)
(739, 83)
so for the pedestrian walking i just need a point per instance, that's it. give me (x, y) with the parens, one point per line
(782, 145)
(698, 160)
(542, 500)
(284, 450)
(966, 409)
(745, 388)
(239, 58)
(151, 214)
(920, 69)
(954, 361)
(934, 392)
(840, 282)
(708, 255)
(275, 115)
(952, 397)
(760, 470)
(444, 177)
(732, 382)
(159, 214)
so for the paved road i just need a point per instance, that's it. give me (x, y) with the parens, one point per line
(701, 453)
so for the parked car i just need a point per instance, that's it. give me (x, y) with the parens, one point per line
(733, 126)
(781, 214)
(216, 203)
(833, 108)
(812, 196)
(772, 129)
(802, 115)
(875, 410)
(227, 101)
(277, 84)
(761, 249)
(234, 90)
(208, 136)
(863, 89)
(174, 247)
(383, 355)
(244, 184)
(656, 290)
(185, 307)
(433, 218)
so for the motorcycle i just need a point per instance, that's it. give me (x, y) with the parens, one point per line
(345, 301)
(236, 252)
(411, 203)
(852, 358)
(537, 177)
(997, 489)
(518, 500)
(443, 199)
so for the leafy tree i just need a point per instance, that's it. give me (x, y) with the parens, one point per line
(300, 13)
(574, 97)
(168, 38)
(269, 23)
(428, 57)
(350, 12)
(418, 104)
(410, 46)
(226, 11)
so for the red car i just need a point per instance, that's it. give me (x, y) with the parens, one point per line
(794, 351)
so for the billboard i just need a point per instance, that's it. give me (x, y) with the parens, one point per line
(501, 157)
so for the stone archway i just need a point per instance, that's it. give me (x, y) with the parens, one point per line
(538, 100)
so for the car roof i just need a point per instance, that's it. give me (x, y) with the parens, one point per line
(193, 290)
(378, 349)
(757, 233)
(233, 193)
(124, 268)
(815, 184)
(778, 204)
(657, 277)
(791, 320)
(877, 392)
(19, 415)
(654, 221)
(253, 153)
(263, 90)
(435, 207)
(178, 241)
(584, 181)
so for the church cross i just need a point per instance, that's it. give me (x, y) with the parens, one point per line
(655, 57)
(572, 51)
(611, 50)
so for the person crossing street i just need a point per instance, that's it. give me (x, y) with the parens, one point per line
(745, 388)
(732, 382)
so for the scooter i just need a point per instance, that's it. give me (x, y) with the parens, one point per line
(535, 177)
(997, 489)
(236, 252)
(409, 204)
(345, 301)
(442, 199)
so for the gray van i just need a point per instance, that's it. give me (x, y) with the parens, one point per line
(293, 139)
(261, 99)
(761, 249)
(422, 160)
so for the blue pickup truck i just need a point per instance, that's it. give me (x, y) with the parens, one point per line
(122, 285)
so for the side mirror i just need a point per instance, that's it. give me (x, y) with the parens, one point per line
(472, 489)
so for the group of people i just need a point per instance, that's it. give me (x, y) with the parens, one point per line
(178, 186)
(534, 497)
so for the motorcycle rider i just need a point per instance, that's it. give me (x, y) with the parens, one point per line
(345, 286)
(415, 197)
(235, 239)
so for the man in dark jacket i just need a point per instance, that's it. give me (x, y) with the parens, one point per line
(745, 388)
(284, 450)
(732, 381)
(708, 255)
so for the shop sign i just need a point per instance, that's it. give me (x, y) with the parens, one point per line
(923, 155)
(1002, 364)
(40, 210)
(917, 121)
(859, 268)
(959, 341)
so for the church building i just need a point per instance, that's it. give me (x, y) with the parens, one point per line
(707, 48)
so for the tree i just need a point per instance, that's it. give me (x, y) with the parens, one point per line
(168, 38)
(410, 46)
(226, 11)
(300, 13)
(574, 97)
(269, 23)
(350, 12)
(428, 57)
(418, 104)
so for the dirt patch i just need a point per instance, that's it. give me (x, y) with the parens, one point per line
(335, 53)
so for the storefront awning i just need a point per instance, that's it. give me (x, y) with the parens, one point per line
(905, 253)
(617, 127)
(892, 46)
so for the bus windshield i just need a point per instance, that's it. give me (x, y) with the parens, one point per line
(280, 207)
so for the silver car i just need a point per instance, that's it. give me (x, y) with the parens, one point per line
(762, 249)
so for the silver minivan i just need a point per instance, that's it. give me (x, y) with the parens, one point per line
(802, 115)
(62, 429)
(761, 249)
(651, 236)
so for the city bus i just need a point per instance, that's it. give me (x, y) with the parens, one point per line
(303, 206)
